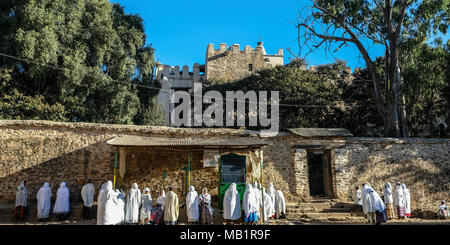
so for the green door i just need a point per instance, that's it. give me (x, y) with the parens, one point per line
(232, 170)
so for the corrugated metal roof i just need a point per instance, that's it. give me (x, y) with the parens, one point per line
(321, 132)
(133, 140)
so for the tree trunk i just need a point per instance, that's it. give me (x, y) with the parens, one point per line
(391, 120)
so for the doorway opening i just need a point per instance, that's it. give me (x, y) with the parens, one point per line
(319, 173)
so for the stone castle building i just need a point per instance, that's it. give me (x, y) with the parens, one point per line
(221, 65)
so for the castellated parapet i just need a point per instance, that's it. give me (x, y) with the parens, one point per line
(228, 64)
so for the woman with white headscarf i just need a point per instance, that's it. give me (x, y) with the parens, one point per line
(157, 216)
(272, 193)
(62, 203)
(399, 200)
(378, 206)
(21, 201)
(43, 205)
(280, 204)
(259, 196)
(407, 197)
(367, 203)
(132, 206)
(146, 206)
(192, 205)
(250, 205)
(100, 204)
(206, 210)
(121, 206)
(112, 210)
(389, 200)
(231, 204)
(87, 194)
(267, 206)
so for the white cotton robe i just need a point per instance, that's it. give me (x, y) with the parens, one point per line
(171, 209)
(231, 203)
(21, 195)
(87, 194)
(376, 201)
(272, 193)
(62, 203)
(192, 205)
(111, 207)
(259, 197)
(280, 203)
(161, 200)
(366, 201)
(146, 205)
(132, 206)
(399, 199)
(267, 205)
(250, 201)
(100, 206)
(357, 196)
(121, 206)
(388, 198)
(407, 199)
(43, 205)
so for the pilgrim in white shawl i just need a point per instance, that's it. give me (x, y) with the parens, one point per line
(146, 206)
(87, 194)
(157, 216)
(171, 208)
(357, 196)
(121, 209)
(267, 206)
(112, 209)
(280, 204)
(399, 200)
(272, 193)
(442, 211)
(259, 195)
(192, 205)
(43, 201)
(389, 201)
(407, 201)
(21, 201)
(378, 206)
(367, 203)
(100, 206)
(132, 206)
(206, 211)
(250, 205)
(62, 202)
(231, 204)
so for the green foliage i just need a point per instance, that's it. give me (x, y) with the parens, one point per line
(86, 54)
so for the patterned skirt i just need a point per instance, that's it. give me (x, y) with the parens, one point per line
(390, 213)
(400, 211)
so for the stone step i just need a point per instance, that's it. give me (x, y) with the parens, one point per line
(327, 215)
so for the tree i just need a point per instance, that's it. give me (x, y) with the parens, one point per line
(86, 55)
(384, 22)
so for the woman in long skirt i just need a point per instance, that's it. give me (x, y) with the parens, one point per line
(157, 216)
(389, 200)
(399, 201)
(206, 210)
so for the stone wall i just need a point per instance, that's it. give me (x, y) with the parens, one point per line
(422, 164)
(40, 151)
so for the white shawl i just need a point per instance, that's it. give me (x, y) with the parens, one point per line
(132, 206)
(231, 203)
(62, 203)
(87, 193)
(21, 195)
(250, 201)
(43, 197)
(280, 203)
(388, 193)
(192, 205)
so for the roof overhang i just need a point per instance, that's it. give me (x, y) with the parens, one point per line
(321, 132)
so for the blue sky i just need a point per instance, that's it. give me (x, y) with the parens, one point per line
(181, 30)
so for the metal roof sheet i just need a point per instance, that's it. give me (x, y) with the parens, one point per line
(321, 132)
(133, 140)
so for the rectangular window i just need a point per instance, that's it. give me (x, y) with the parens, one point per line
(250, 67)
(233, 170)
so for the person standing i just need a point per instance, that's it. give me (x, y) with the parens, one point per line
(389, 200)
(192, 205)
(267, 206)
(367, 203)
(250, 205)
(112, 211)
(100, 206)
(442, 211)
(157, 216)
(21, 201)
(132, 206)
(280, 204)
(407, 196)
(146, 206)
(43, 202)
(87, 194)
(171, 209)
(231, 204)
(357, 196)
(206, 210)
(272, 193)
(259, 196)
(399, 201)
(378, 207)
(62, 203)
